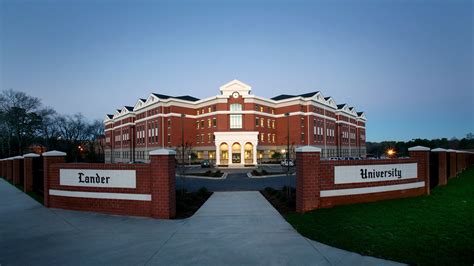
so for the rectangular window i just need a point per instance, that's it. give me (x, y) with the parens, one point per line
(269, 137)
(197, 124)
(262, 137)
(273, 124)
(257, 121)
(261, 109)
(273, 138)
(209, 122)
(169, 138)
(268, 123)
(214, 122)
(169, 123)
(262, 122)
(209, 109)
(209, 137)
(302, 136)
(235, 121)
(302, 122)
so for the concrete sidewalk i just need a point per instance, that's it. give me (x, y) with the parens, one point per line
(232, 228)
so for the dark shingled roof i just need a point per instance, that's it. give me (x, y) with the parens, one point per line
(118, 110)
(310, 94)
(110, 116)
(327, 98)
(129, 108)
(359, 113)
(185, 97)
(340, 106)
(143, 100)
(287, 96)
(282, 97)
(161, 96)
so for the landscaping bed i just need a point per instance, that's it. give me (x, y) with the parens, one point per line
(187, 203)
(426, 230)
(265, 172)
(281, 200)
(208, 174)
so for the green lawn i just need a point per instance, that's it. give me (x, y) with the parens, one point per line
(427, 230)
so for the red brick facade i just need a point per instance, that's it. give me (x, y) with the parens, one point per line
(156, 179)
(320, 178)
(160, 121)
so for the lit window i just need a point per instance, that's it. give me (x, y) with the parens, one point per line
(236, 119)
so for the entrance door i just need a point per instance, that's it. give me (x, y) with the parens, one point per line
(236, 156)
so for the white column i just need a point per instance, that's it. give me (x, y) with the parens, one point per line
(229, 152)
(218, 155)
(254, 153)
(242, 153)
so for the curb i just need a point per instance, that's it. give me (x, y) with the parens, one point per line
(224, 176)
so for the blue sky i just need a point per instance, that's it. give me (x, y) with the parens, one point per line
(407, 64)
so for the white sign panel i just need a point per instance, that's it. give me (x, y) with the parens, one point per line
(374, 173)
(98, 178)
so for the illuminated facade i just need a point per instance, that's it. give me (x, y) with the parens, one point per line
(234, 128)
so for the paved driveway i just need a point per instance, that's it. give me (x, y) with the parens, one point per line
(232, 228)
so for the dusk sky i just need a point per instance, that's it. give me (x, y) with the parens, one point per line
(407, 64)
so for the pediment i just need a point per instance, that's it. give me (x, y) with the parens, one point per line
(235, 86)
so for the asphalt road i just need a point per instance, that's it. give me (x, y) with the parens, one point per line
(237, 180)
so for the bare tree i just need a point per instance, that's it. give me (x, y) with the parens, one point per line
(21, 120)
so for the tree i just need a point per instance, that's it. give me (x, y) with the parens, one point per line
(20, 118)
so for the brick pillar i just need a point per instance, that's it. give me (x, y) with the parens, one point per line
(442, 166)
(458, 162)
(463, 161)
(2, 171)
(49, 158)
(422, 155)
(307, 178)
(163, 183)
(452, 163)
(9, 169)
(16, 169)
(28, 171)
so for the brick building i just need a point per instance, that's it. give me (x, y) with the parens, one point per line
(234, 127)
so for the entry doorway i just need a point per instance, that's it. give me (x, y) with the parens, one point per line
(236, 156)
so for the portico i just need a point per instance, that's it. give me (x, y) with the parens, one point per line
(236, 148)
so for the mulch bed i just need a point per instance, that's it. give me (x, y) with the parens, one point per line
(188, 203)
(280, 199)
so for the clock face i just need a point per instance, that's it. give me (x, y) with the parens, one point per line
(235, 95)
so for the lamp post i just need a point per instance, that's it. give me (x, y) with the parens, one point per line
(288, 151)
(182, 142)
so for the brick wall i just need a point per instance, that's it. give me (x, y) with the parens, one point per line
(316, 188)
(155, 187)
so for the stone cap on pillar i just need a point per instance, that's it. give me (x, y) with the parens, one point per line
(419, 148)
(17, 157)
(54, 154)
(31, 155)
(308, 149)
(439, 150)
(162, 152)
